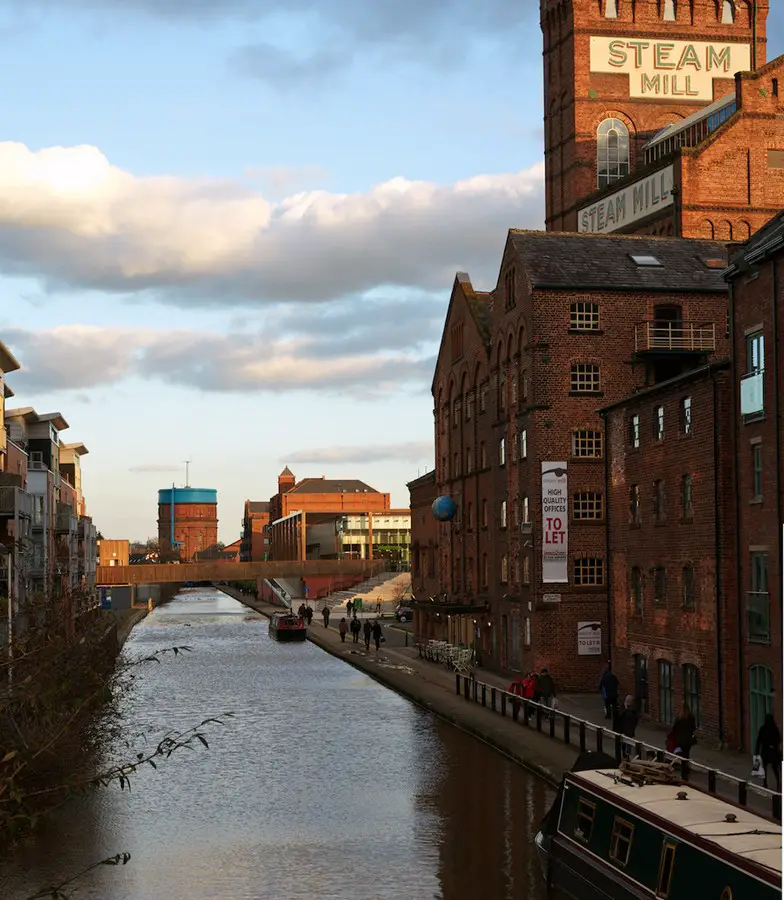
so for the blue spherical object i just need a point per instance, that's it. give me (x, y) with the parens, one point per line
(444, 509)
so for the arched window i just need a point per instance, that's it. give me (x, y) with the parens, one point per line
(612, 152)
(761, 698)
(669, 10)
(610, 9)
(727, 12)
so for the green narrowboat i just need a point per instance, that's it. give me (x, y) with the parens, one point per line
(613, 836)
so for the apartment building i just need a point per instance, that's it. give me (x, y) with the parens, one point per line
(255, 540)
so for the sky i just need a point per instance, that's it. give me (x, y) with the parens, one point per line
(229, 228)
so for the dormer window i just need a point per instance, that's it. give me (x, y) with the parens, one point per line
(610, 9)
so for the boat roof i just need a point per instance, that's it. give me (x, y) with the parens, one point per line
(750, 837)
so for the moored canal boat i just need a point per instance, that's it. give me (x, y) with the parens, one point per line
(610, 837)
(287, 627)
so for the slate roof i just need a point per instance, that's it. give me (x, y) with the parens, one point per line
(286, 471)
(331, 486)
(769, 238)
(591, 261)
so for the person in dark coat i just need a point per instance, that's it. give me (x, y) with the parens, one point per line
(325, 613)
(301, 611)
(356, 627)
(377, 635)
(682, 737)
(349, 608)
(609, 689)
(545, 687)
(343, 629)
(625, 723)
(309, 614)
(368, 633)
(768, 748)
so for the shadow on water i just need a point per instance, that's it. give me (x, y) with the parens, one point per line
(325, 784)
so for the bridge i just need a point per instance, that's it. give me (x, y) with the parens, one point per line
(222, 570)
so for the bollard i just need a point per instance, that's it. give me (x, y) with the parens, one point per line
(503, 704)
(526, 713)
(406, 639)
(618, 748)
(567, 729)
(492, 698)
(685, 770)
(515, 710)
(743, 795)
(582, 737)
(484, 695)
(552, 714)
(476, 688)
(600, 740)
(467, 688)
(457, 682)
(711, 781)
(538, 718)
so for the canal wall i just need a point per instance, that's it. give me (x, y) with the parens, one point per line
(433, 688)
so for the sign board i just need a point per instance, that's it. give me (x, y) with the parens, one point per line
(589, 638)
(628, 205)
(555, 523)
(551, 598)
(669, 69)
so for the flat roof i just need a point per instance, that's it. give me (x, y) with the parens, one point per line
(32, 417)
(8, 362)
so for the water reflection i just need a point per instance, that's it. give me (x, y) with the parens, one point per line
(325, 785)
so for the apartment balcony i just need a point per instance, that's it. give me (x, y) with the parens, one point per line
(752, 399)
(674, 337)
(66, 521)
(15, 503)
(758, 617)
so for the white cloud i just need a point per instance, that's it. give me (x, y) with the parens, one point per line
(409, 451)
(76, 356)
(71, 218)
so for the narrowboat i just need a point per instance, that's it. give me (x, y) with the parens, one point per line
(626, 834)
(287, 627)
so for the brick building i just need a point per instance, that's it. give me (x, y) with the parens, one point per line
(195, 526)
(255, 541)
(425, 585)
(577, 322)
(661, 117)
(756, 281)
(671, 549)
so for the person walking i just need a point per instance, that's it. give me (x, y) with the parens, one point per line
(301, 611)
(309, 614)
(682, 738)
(325, 613)
(343, 629)
(768, 748)
(517, 690)
(377, 635)
(609, 688)
(349, 608)
(545, 687)
(625, 723)
(378, 607)
(368, 633)
(355, 629)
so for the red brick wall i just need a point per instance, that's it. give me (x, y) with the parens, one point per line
(191, 522)
(350, 503)
(424, 544)
(576, 100)
(705, 541)
(759, 520)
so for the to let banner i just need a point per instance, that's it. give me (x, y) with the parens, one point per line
(555, 523)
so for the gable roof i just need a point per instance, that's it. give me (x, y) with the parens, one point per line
(332, 486)
(592, 262)
(286, 471)
(478, 303)
(763, 242)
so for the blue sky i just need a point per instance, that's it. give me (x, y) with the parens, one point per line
(230, 231)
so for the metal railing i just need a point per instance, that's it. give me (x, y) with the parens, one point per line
(752, 394)
(676, 336)
(65, 520)
(581, 733)
(758, 616)
(14, 501)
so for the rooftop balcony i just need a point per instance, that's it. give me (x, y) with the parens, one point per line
(15, 502)
(674, 337)
(752, 397)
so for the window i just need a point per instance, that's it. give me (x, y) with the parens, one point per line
(513, 390)
(456, 470)
(524, 444)
(527, 632)
(686, 415)
(774, 87)
(503, 514)
(589, 570)
(634, 430)
(484, 514)
(612, 152)
(611, 9)
(727, 12)
(457, 341)
(687, 506)
(509, 288)
(587, 444)
(755, 352)
(761, 697)
(659, 501)
(456, 413)
(634, 504)
(504, 569)
(665, 870)
(659, 585)
(526, 570)
(469, 407)
(758, 600)
(588, 505)
(525, 385)
(525, 509)
(666, 693)
(691, 691)
(38, 509)
(756, 471)
(583, 820)
(482, 456)
(621, 841)
(502, 452)
(483, 398)
(636, 589)
(669, 11)
(584, 316)
(585, 378)
(658, 423)
(689, 599)
(469, 461)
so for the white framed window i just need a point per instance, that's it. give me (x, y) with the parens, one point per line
(525, 510)
(658, 423)
(502, 452)
(524, 444)
(584, 316)
(612, 152)
(504, 568)
(503, 514)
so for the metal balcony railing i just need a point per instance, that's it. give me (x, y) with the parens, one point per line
(66, 521)
(679, 337)
(758, 617)
(15, 502)
(752, 397)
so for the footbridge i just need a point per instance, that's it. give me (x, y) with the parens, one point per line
(222, 570)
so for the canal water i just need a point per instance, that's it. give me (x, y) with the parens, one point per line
(325, 784)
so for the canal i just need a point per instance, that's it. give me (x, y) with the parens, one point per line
(324, 784)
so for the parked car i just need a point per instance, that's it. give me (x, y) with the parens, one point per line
(404, 613)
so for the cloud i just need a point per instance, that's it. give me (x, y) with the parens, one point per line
(154, 467)
(410, 451)
(75, 221)
(277, 180)
(77, 357)
(287, 70)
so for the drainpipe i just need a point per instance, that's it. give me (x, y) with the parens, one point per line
(717, 538)
(608, 556)
(172, 518)
(754, 36)
(777, 431)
